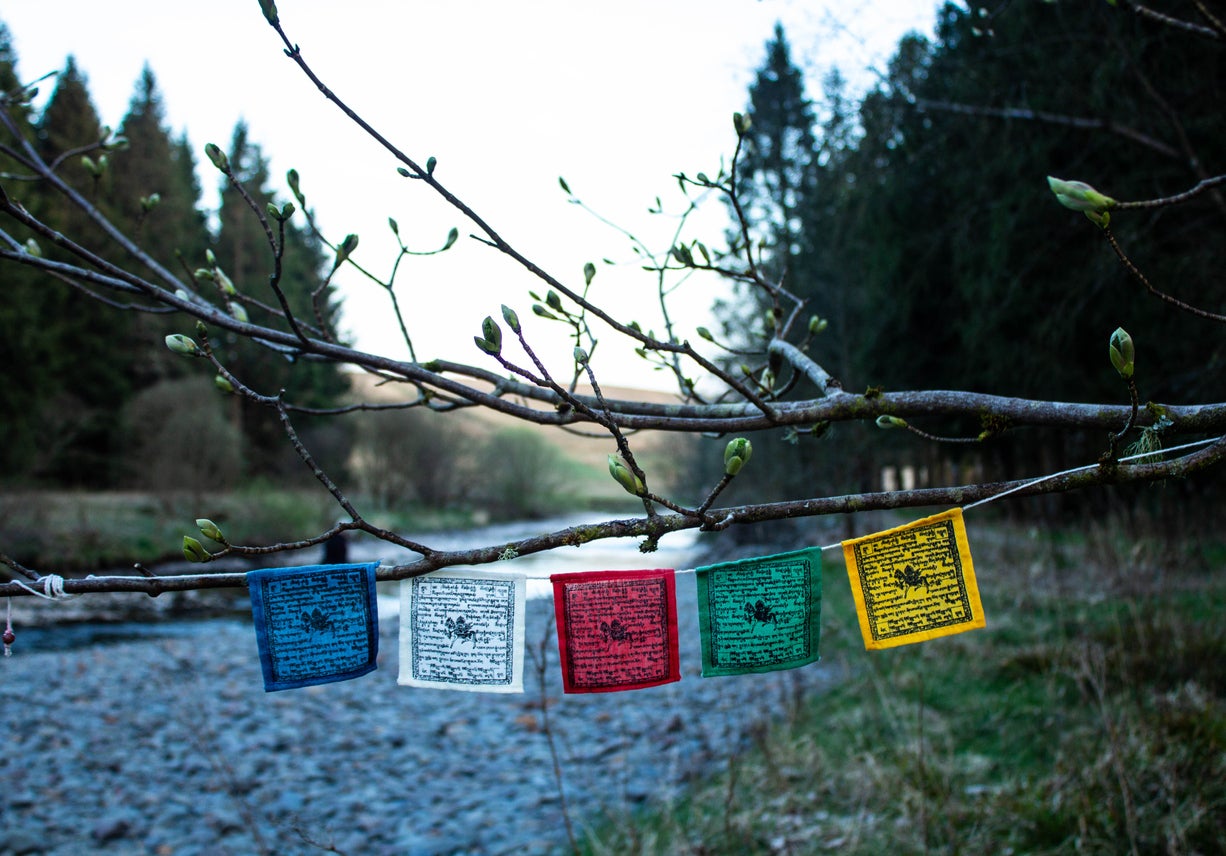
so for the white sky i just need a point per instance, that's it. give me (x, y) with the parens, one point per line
(615, 97)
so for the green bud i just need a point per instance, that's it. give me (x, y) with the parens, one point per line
(884, 421)
(564, 185)
(395, 227)
(182, 345)
(491, 340)
(223, 282)
(217, 156)
(492, 331)
(555, 302)
(625, 476)
(404, 172)
(589, 272)
(1122, 352)
(269, 8)
(193, 550)
(817, 325)
(1079, 196)
(704, 333)
(148, 203)
(211, 258)
(431, 163)
(287, 210)
(205, 274)
(736, 455)
(508, 315)
(273, 211)
(224, 385)
(581, 356)
(33, 248)
(291, 178)
(452, 237)
(740, 124)
(210, 530)
(239, 312)
(90, 166)
(537, 309)
(346, 248)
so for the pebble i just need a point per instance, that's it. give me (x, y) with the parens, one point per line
(171, 746)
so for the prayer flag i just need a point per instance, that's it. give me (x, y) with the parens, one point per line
(314, 624)
(914, 582)
(617, 630)
(760, 615)
(463, 630)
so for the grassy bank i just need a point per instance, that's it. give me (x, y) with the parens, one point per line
(1089, 717)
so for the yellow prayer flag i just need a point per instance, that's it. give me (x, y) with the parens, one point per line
(914, 582)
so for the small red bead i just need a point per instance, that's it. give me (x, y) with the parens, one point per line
(9, 637)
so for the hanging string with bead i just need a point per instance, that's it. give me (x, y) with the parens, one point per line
(9, 636)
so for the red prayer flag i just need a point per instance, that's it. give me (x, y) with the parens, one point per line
(617, 630)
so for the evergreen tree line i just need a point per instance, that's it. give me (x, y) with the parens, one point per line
(91, 396)
(919, 225)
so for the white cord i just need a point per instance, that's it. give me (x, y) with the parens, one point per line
(53, 587)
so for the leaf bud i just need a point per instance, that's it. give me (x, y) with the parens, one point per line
(740, 124)
(1122, 352)
(269, 8)
(205, 274)
(239, 313)
(287, 210)
(193, 550)
(1079, 196)
(581, 356)
(291, 178)
(346, 247)
(148, 203)
(736, 455)
(395, 227)
(211, 258)
(625, 477)
(223, 282)
(224, 385)
(452, 237)
(555, 302)
(182, 345)
(817, 324)
(210, 530)
(884, 421)
(589, 272)
(491, 339)
(508, 315)
(33, 248)
(704, 333)
(431, 163)
(217, 156)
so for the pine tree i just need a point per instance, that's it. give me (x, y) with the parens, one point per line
(778, 150)
(243, 252)
(64, 333)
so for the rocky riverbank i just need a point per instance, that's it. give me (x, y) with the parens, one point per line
(170, 746)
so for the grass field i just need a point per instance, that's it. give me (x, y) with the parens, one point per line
(1088, 717)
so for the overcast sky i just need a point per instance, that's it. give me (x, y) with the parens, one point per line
(616, 97)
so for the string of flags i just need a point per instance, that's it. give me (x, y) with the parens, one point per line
(616, 630)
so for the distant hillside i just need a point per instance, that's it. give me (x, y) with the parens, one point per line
(585, 445)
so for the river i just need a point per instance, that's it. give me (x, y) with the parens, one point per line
(162, 740)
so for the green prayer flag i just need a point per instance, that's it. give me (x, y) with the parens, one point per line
(760, 615)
